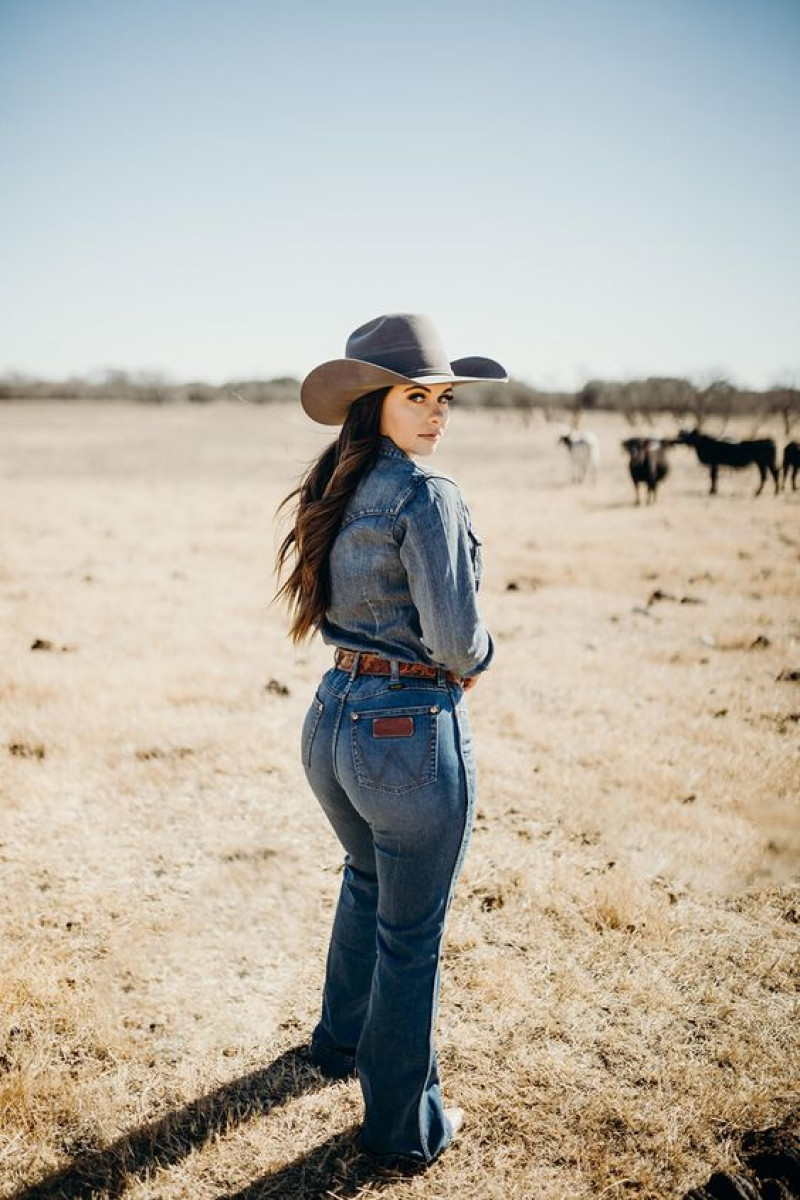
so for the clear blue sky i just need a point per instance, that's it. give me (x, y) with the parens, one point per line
(225, 188)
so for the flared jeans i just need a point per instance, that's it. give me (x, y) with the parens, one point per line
(390, 760)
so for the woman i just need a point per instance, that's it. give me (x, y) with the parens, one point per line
(387, 566)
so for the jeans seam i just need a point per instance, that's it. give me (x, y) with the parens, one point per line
(312, 732)
(461, 847)
(336, 727)
(456, 864)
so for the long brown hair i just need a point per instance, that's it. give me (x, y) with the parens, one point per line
(322, 494)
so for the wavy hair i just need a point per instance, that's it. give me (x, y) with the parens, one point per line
(323, 493)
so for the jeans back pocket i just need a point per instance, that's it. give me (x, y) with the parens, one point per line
(395, 749)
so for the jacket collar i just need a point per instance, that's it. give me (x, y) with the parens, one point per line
(390, 448)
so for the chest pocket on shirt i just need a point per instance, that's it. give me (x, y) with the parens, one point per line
(476, 554)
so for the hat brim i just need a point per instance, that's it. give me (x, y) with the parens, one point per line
(327, 392)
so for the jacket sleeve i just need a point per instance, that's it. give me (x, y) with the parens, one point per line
(432, 530)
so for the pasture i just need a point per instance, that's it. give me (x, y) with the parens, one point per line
(617, 992)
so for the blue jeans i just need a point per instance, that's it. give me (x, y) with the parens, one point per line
(390, 760)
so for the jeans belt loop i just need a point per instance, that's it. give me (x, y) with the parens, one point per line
(441, 677)
(395, 670)
(354, 668)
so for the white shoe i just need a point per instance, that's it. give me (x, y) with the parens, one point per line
(456, 1118)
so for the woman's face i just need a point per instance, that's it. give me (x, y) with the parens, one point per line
(415, 417)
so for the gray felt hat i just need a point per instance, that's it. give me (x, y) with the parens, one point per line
(395, 348)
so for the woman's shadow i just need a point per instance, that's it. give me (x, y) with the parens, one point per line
(162, 1143)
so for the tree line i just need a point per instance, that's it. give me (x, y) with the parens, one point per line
(637, 399)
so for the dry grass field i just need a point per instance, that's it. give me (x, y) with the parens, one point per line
(617, 994)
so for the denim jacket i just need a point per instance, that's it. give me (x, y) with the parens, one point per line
(405, 568)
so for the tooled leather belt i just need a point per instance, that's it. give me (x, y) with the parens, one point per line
(373, 664)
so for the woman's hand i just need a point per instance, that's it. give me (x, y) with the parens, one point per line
(470, 683)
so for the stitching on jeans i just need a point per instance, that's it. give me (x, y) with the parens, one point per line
(456, 865)
(361, 767)
(365, 512)
(312, 731)
(390, 513)
(336, 726)
(373, 614)
(417, 684)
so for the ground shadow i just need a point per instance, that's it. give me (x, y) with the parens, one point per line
(769, 1167)
(335, 1168)
(174, 1136)
(614, 505)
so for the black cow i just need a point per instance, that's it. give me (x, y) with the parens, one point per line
(727, 452)
(647, 463)
(791, 462)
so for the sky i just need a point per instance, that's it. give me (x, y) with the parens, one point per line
(224, 189)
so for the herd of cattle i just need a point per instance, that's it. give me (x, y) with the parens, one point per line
(648, 463)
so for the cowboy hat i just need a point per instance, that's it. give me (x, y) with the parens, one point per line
(393, 349)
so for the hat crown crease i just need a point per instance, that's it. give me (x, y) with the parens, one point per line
(406, 343)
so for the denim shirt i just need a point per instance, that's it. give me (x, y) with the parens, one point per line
(405, 568)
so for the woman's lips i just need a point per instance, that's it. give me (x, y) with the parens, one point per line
(429, 435)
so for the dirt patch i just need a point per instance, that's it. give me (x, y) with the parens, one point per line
(26, 750)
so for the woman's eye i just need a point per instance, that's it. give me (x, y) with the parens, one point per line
(421, 397)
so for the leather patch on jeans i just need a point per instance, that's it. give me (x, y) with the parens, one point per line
(393, 727)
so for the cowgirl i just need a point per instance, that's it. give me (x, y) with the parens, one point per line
(387, 566)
